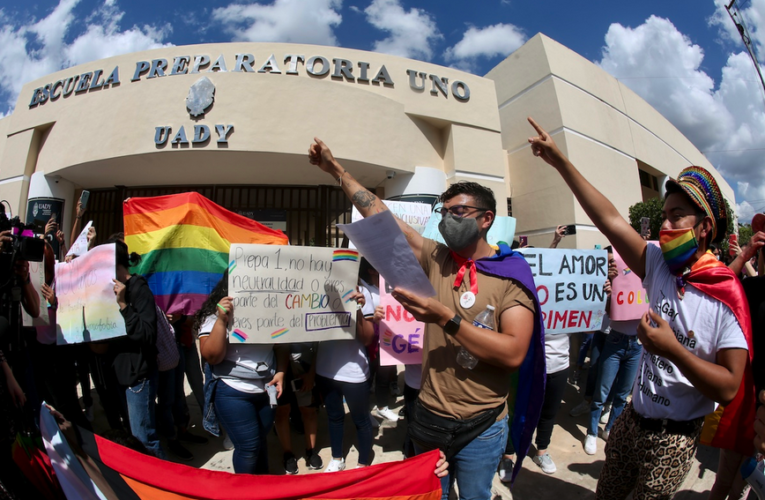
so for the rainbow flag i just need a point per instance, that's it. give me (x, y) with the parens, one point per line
(123, 473)
(184, 241)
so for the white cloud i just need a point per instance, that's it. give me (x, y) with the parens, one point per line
(726, 123)
(491, 41)
(411, 32)
(753, 18)
(32, 49)
(295, 21)
(745, 212)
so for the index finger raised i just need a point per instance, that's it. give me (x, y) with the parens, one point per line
(536, 126)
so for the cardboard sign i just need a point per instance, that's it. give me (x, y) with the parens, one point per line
(37, 276)
(401, 336)
(80, 245)
(416, 215)
(285, 294)
(570, 287)
(503, 229)
(629, 300)
(87, 307)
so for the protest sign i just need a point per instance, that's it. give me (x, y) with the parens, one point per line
(80, 245)
(414, 214)
(87, 308)
(37, 276)
(629, 300)
(570, 287)
(503, 229)
(401, 336)
(285, 294)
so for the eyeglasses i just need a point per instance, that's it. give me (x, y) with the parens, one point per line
(459, 210)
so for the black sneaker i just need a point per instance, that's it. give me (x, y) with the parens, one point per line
(177, 449)
(290, 463)
(313, 460)
(191, 438)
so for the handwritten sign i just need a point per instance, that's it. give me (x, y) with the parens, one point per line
(416, 215)
(401, 336)
(570, 287)
(80, 245)
(37, 276)
(285, 294)
(629, 300)
(87, 308)
(503, 229)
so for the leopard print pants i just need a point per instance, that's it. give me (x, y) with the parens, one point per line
(653, 464)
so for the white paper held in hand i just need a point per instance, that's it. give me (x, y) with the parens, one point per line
(383, 244)
(80, 245)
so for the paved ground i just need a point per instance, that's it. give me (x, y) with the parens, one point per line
(576, 477)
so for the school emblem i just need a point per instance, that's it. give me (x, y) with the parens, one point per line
(201, 96)
(35, 210)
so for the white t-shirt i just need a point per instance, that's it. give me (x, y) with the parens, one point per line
(346, 360)
(702, 324)
(557, 349)
(248, 355)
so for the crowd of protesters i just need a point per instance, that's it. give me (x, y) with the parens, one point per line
(648, 386)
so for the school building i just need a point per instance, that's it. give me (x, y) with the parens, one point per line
(234, 121)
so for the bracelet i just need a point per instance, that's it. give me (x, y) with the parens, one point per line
(340, 179)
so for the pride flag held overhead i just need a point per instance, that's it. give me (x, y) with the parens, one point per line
(184, 241)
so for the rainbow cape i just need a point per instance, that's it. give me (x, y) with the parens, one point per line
(121, 473)
(184, 241)
(731, 426)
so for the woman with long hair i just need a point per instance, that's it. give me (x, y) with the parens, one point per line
(241, 402)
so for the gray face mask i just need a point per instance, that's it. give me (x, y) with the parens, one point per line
(459, 233)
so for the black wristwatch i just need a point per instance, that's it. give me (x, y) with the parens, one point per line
(453, 325)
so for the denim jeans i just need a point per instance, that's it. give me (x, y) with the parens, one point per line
(598, 340)
(357, 398)
(473, 468)
(619, 362)
(141, 408)
(247, 418)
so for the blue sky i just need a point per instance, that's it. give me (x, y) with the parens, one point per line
(684, 56)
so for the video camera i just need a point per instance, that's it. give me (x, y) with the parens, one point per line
(24, 246)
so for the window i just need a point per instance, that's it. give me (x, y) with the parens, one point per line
(648, 180)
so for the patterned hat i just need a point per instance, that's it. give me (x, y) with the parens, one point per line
(702, 188)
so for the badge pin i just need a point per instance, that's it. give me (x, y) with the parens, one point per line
(467, 300)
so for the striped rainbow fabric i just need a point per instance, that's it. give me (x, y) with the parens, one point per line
(184, 241)
(678, 246)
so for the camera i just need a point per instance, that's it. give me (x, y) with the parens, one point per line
(23, 245)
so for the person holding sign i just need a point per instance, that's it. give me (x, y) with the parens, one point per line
(695, 336)
(243, 403)
(469, 277)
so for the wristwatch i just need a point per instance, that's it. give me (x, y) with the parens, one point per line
(453, 325)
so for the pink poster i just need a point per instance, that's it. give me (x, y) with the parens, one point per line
(401, 336)
(628, 297)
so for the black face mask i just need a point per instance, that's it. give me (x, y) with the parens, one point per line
(458, 232)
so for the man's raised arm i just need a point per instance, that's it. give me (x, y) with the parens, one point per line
(601, 211)
(365, 201)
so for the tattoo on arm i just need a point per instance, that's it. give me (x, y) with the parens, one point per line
(363, 199)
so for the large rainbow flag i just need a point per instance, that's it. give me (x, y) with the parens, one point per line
(95, 468)
(184, 241)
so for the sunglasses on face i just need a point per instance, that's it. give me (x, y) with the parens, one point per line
(459, 210)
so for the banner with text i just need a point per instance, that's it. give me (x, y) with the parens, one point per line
(87, 308)
(570, 287)
(414, 214)
(629, 299)
(37, 276)
(285, 294)
(401, 336)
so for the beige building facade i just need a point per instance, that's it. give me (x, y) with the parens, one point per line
(141, 125)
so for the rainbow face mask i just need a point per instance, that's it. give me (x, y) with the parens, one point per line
(678, 246)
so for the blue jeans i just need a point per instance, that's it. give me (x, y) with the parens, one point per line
(357, 398)
(598, 340)
(474, 466)
(140, 399)
(618, 366)
(248, 419)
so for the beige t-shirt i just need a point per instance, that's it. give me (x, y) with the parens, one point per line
(448, 389)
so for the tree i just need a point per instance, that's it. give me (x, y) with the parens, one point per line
(650, 208)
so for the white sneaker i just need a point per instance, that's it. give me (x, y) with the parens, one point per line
(505, 470)
(580, 409)
(604, 434)
(545, 463)
(605, 414)
(386, 414)
(590, 445)
(335, 465)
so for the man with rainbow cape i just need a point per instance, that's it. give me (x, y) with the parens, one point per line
(697, 336)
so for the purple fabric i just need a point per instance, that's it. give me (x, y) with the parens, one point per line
(530, 383)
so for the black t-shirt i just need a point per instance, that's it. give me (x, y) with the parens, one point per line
(755, 294)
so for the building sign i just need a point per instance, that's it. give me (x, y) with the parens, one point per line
(337, 69)
(40, 211)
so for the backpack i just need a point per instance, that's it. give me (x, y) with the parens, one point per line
(167, 348)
